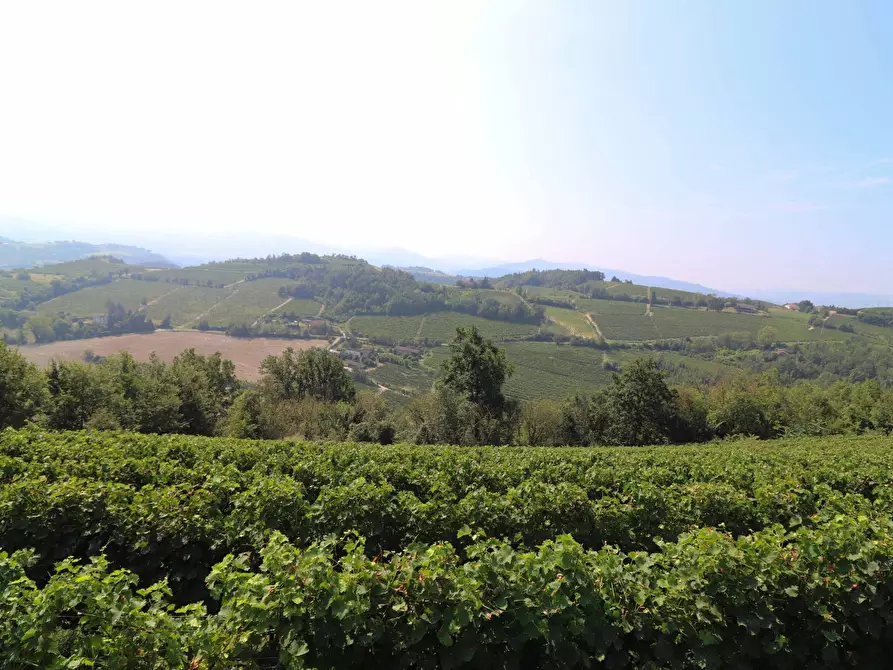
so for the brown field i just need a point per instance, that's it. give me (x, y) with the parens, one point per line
(247, 354)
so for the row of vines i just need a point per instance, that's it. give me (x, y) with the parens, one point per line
(123, 550)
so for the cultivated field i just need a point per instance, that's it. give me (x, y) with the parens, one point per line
(574, 322)
(248, 301)
(186, 305)
(87, 267)
(93, 300)
(502, 297)
(548, 370)
(247, 354)
(674, 322)
(442, 327)
(301, 307)
(395, 328)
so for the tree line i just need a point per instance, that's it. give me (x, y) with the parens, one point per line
(309, 394)
(116, 320)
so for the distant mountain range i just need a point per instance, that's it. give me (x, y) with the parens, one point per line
(192, 248)
(17, 254)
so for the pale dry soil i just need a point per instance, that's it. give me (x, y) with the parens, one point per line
(246, 353)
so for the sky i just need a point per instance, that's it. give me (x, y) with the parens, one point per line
(738, 145)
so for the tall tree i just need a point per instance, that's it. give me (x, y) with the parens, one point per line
(641, 407)
(312, 373)
(476, 369)
(207, 386)
(22, 388)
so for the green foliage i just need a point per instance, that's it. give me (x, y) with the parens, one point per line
(638, 408)
(231, 553)
(476, 369)
(311, 373)
(193, 394)
(22, 388)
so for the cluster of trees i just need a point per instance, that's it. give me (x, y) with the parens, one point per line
(311, 395)
(284, 326)
(571, 280)
(191, 395)
(116, 321)
(362, 289)
(878, 317)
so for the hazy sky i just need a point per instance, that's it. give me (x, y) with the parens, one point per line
(737, 144)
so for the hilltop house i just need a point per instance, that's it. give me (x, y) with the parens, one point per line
(793, 306)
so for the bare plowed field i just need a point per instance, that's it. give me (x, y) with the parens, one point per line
(247, 354)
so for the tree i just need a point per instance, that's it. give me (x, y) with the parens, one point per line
(22, 388)
(476, 369)
(206, 386)
(312, 373)
(805, 306)
(641, 408)
(767, 336)
(42, 329)
(245, 418)
(539, 422)
(77, 392)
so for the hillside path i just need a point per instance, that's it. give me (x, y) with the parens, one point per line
(211, 308)
(595, 327)
(418, 332)
(275, 309)
(154, 301)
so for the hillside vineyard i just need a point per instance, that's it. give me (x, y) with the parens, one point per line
(147, 551)
(565, 331)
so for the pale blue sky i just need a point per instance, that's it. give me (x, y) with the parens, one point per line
(741, 145)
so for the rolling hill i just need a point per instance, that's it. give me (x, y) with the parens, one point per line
(16, 254)
(566, 331)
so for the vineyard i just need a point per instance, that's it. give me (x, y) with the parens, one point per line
(121, 550)
(94, 300)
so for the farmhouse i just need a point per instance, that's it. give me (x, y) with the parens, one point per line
(793, 306)
(360, 355)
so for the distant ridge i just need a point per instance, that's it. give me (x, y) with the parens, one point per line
(542, 264)
(15, 254)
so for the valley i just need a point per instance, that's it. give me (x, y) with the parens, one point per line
(565, 331)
